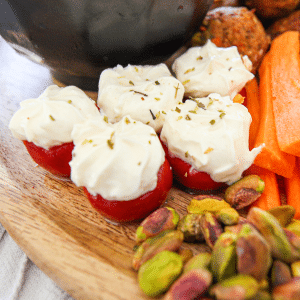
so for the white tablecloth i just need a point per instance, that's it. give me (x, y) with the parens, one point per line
(20, 279)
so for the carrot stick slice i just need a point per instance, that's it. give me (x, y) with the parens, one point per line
(271, 157)
(285, 65)
(292, 189)
(271, 195)
(253, 108)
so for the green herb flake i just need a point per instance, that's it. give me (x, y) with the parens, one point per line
(200, 104)
(186, 81)
(186, 154)
(51, 118)
(136, 69)
(157, 99)
(149, 142)
(199, 57)
(86, 141)
(179, 118)
(222, 115)
(189, 70)
(69, 101)
(127, 121)
(177, 109)
(212, 122)
(110, 144)
(157, 82)
(193, 111)
(176, 90)
(105, 118)
(187, 117)
(130, 82)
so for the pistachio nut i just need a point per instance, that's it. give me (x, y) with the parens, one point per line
(223, 257)
(191, 229)
(280, 273)
(245, 191)
(167, 240)
(190, 285)
(253, 253)
(199, 261)
(295, 267)
(204, 205)
(294, 226)
(228, 216)
(157, 274)
(274, 234)
(185, 254)
(162, 219)
(283, 213)
(294, 240)
(287, 291)
(211, 228)
(239, 287)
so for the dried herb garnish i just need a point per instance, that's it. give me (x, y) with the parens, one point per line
(152, 114)
(187, 117)
(222, 115)
(130, 82)
(137, 92)
(209, 149)
(86, 141)
(212, 122)
(186, 81)
(189, 70)
(105, 118)
(69, 101)
(177, 109)
(51, 118)
(176, 90)
(199, 57)
(157, 82)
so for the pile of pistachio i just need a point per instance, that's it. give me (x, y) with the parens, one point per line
(255, 257)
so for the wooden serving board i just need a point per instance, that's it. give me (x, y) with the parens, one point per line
(50, 218)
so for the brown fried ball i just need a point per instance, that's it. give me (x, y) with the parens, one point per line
(271, 9)
(292, 22)
(235, 26)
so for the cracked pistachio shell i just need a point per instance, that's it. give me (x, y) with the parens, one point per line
(253, 253)
(273, 232)
(245, 191)
(211, 228)
(204, 205)
(283, 213)
(162, 219)
(157, 274)
(189, 225)
(199, 261)
(223, 257)
(167, 240)
(239, 287)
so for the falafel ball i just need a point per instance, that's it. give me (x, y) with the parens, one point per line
(235, 26)
(272, 9)
(292, 22)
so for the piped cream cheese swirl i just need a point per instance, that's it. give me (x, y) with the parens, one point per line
(118, 161)
(49, 119)
(146, 93)
(212, 135)
(211, 69)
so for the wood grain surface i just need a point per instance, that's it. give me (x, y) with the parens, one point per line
(50, 218)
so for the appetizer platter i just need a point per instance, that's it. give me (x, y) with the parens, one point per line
(88, 249)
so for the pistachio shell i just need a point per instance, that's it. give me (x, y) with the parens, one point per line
(189, 225)
(157, 274)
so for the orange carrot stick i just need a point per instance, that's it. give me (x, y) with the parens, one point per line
(271, 196)
(292, 189)
(253, 108)
(271, 157)
(285, 66)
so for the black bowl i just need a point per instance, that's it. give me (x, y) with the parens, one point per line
(77, 39)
